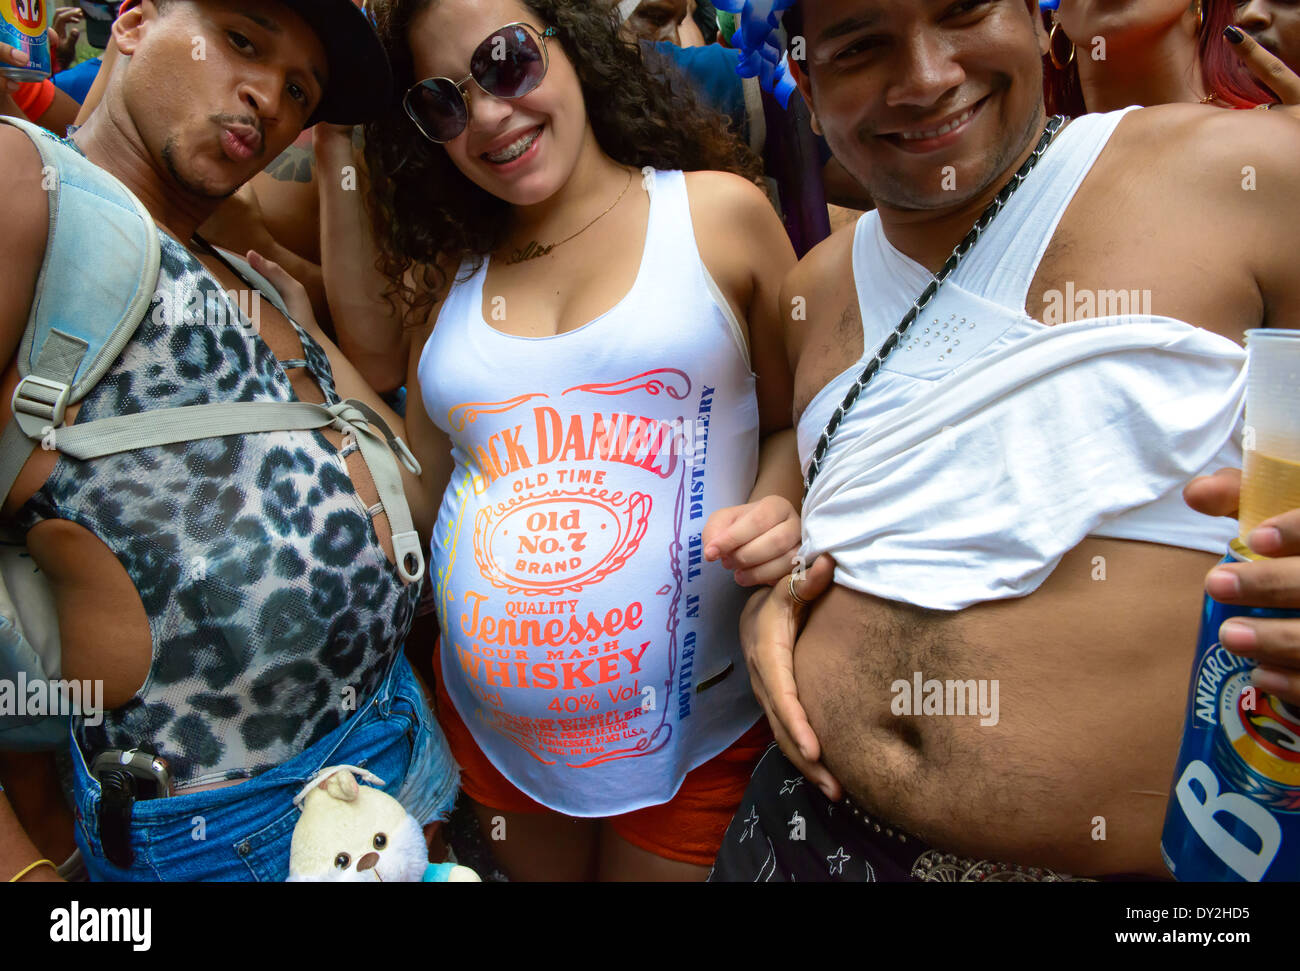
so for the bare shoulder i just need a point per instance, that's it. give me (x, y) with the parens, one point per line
(817, 291)
(1215, 142)
(818, 288)
(22, 244)
(725, 193)
(25, 201)
(827, 267)
(741, 238)
(731, 209)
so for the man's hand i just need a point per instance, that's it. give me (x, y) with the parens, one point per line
(11, 55)
(1274, 582)
(65, 33)
(769, 627)
(758, 541)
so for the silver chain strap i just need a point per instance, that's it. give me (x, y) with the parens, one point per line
(895, 339)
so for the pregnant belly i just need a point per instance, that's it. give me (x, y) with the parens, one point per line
(1041, 730)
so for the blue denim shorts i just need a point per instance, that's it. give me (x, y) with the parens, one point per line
(243, 832)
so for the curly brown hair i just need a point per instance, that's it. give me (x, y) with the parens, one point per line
(424, 210)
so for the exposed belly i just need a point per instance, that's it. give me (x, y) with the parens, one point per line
(1091, 682)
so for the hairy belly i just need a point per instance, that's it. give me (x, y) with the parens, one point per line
(1041, 730)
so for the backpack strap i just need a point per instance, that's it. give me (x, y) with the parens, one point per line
(168, 426)
(96, 283)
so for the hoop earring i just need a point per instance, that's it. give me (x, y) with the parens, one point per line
(1200, 16)
(1052, 45)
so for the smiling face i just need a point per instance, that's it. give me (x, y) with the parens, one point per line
(925, 102)
(218, 88)
(1276, 25)
(522, 150)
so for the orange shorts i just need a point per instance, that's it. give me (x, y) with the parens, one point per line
(34, 98)
(688, 828)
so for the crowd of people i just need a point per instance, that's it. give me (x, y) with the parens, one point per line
(557, 455)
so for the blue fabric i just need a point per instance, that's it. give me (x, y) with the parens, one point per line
(758, 41)
(76, 81)
(437, 872)
(243, 832)
(85, 290)
(711, 71)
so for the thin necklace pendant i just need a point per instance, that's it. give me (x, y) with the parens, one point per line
(533, 251)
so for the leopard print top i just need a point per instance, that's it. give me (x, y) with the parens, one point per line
(273, 610)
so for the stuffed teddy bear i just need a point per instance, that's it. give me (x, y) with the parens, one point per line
(350, 833)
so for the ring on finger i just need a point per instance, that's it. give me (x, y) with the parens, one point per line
(794, 596)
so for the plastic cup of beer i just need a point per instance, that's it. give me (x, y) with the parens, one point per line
(1270, 483)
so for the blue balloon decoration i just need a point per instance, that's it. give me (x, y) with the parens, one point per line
(761, 55)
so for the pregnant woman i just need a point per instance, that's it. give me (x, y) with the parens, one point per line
(581, 284)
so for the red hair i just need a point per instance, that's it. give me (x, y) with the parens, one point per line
(1225, 76)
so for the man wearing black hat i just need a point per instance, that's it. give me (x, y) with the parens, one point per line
(243, 597)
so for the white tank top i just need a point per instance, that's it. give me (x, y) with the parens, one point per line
(592, 652)
(990, 444)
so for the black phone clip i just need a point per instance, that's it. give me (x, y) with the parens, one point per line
(117, 795)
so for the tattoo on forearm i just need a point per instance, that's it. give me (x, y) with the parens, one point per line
(294, 164)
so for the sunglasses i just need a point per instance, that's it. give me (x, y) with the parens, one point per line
(510, 63)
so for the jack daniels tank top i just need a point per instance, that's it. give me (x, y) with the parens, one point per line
(590, 649)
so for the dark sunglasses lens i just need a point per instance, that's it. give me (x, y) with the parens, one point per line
(508, 64)
(437, 107)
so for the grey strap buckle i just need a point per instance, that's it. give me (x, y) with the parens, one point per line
(409, 554)
(42, 399)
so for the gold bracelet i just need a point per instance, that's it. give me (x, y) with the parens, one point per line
(28, 869)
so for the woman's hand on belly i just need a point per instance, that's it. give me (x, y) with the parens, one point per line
(769, 627)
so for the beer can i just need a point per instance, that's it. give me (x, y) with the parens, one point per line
(1234, 810)
(23, 24)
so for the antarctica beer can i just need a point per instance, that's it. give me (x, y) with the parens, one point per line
(23, 24)
(1234, 813)
(1234, 810)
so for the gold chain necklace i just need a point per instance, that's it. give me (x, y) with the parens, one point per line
(535, 250)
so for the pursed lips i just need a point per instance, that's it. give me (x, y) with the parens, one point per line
(247, 136)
